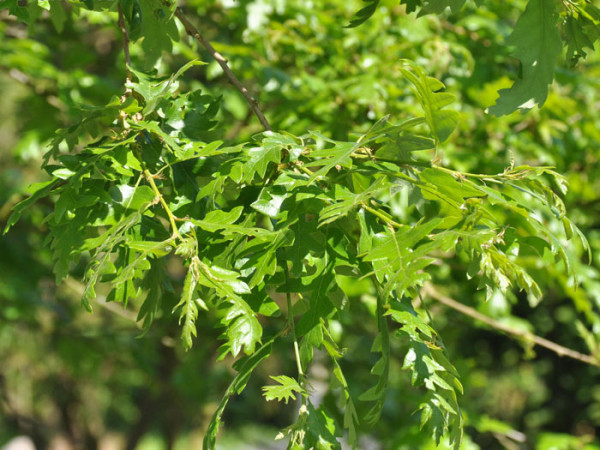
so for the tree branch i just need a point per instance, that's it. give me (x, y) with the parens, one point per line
(125, 38)
(527, 336)
(123, 27)
(193, 31)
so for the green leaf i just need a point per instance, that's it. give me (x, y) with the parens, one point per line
(155, 128)
(452, 188)
(153, 284)
(441, 122)
(270, 201)
(398, 148)
(189, 303)
(259, 159)
(411, 5)
(37, 191)
(58, 15)
(285, 390)
(243, 330)
(260, 254)
(440, 410)
(337, 157)
(135, 198)
(245, 367)
(157, 29)
(154, 248)
(580, 33)
(349, 201)
(219, 219)
(363, 14)
(155, 89)
(537, 44)
(314, 429)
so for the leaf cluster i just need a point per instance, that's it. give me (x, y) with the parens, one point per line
(139, 185)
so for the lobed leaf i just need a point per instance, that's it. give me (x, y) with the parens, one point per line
(537, 45)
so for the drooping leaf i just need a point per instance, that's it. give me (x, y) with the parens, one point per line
(537, 45)
(411, 5)
(245, 367)
(362, 15)
(189, 303)
(37, 191)
(157, 31)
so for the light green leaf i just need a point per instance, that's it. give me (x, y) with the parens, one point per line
(259, 159)
(285, 390)
(135, 198)
(189, 303)
(337, 156)
(218, 219)
(441, 122)
(154, 248)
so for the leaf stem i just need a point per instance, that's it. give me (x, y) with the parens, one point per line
(382, 216)
(290, 318)
(150, 179)
(403, 163)
(458, 174)
(304, 170)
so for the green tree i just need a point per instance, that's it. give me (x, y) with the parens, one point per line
(314, 228)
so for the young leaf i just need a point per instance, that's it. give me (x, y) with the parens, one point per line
(189, 303)
(441, 122)
(284, 390)
(259, 159)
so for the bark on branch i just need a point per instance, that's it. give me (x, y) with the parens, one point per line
(430, 291)
(222, 61)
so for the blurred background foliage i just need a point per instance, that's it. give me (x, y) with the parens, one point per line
(94, 381)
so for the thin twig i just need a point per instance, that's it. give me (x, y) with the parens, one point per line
(382, 216)
(125, 41)
(527, 336)
(123, 27)
(290, 318)
(193, 31)
(150, 179)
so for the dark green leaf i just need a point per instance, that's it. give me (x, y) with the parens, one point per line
(537, 45)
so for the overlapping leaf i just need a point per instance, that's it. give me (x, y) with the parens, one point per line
(537, 45)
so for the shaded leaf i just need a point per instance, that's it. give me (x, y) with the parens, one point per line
(537, 44)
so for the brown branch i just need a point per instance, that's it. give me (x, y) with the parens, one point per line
(123, 27)
(527, 336)
(193, 31)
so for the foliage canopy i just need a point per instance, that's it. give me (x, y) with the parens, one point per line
(283, 226)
